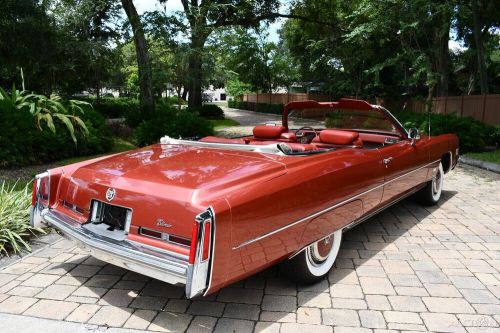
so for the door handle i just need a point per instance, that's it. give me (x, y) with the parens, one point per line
(387, 161)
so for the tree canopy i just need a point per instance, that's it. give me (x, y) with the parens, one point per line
(363, 48)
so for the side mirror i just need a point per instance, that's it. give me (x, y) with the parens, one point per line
(414, 135)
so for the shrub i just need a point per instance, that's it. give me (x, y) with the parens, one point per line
(237, 104)
(14, 219)
(211, 111)
(473, 134)
(22, 143)
(174, 100)
(119, 107)
(171, 122)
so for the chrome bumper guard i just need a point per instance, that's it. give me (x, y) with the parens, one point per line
(194, 271)
(162, 265)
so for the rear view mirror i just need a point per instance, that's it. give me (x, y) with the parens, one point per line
(413, 135)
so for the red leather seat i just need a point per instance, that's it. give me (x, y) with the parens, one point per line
(330, 138)
(268, 132)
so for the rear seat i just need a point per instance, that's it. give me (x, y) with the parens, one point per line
(270, 132)
(331, 138)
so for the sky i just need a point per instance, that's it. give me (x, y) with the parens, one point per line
(175, 5)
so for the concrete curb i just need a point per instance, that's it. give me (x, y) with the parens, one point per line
(490, 166)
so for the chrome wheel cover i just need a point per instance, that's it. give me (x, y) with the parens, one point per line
(321, 255)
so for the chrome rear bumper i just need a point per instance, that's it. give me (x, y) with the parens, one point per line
(166, 266)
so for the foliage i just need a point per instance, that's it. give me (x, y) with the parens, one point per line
(14, 219)
(46, 109)
(21, 142)
(490, 156)
(237, 104)
(260, 65)
(236, 88)
(210, 111)
(473, 134)
(171, 122)
(118, 107)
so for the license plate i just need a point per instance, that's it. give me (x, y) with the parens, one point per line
(109, 220)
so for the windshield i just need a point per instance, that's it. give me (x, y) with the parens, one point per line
(371, 120)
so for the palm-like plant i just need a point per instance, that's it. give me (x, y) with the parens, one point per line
(45, 109)
(14, 214)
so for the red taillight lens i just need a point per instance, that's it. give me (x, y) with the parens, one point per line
(206, 241)
(194, 239)
(33, 193)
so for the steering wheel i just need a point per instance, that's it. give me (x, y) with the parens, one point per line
(299, 133)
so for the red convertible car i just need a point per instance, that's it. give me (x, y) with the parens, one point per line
(206, 213)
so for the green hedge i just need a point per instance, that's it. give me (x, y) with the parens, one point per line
(473, 134)
(210, 111)
(172, 122)
(22, 143)
(257, 107)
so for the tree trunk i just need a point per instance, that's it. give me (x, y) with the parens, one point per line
(481, 64)
(143, 62)
(195, 73)
(443, 58)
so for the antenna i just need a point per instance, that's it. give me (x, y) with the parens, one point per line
(429, 116)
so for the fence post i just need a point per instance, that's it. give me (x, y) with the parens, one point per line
(484, 108)
(462, 106)
(257, 102)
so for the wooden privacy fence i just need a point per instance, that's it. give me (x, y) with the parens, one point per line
(485, 108)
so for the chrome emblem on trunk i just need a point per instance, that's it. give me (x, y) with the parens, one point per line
(161, 223)
(110, 194)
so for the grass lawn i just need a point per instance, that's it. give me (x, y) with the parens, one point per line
(490, 156)
(223, 123)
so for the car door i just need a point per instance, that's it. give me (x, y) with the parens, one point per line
(404, 163)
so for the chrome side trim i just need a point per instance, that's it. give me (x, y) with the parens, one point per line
(326, 210)
(387, 205)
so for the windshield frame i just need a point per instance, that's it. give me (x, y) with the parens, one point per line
(344, 103)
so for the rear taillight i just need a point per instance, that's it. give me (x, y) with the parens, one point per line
(201, 240)
(194, 242)
(201, 254)
(33, 193)
(39, 198)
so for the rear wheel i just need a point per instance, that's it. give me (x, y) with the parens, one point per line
(315, 261)
(431, 193)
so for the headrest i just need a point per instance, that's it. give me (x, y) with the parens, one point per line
(337, 137)
(268, 132)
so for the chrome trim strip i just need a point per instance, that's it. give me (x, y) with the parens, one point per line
(328, 209)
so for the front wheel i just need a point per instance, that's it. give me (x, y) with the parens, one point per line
(315, 261)
(431, 193)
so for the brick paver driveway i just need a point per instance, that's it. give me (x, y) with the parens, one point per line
(408, 268)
